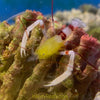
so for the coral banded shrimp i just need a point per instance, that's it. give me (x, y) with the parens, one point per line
(54, 44)
(68, 37)
(46, 50)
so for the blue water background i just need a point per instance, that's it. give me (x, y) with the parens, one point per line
(10, 7)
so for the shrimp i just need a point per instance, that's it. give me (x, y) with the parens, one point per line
(53, 45)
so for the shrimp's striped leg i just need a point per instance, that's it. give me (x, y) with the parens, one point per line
(68, 72)
(27, 32)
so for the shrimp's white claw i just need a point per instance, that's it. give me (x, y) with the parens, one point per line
(59, 79)
(26, 35)
(67, 73)
(23, 52)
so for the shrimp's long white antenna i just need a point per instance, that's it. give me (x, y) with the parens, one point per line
(67, 73)
(26, 34)
(12, 17)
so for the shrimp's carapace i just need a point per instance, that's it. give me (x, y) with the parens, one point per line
(50, 47)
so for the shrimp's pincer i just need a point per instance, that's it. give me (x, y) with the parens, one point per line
(67, 73)
(27, 32)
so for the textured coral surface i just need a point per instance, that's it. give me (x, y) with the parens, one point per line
(24, 77)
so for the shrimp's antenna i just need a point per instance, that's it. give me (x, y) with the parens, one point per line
(12, 17)
(52, 15)
(52, 12)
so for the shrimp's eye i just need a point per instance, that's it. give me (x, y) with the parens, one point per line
(67, 24)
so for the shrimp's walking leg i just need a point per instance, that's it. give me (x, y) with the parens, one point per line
(27, 32)
(68, 72)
